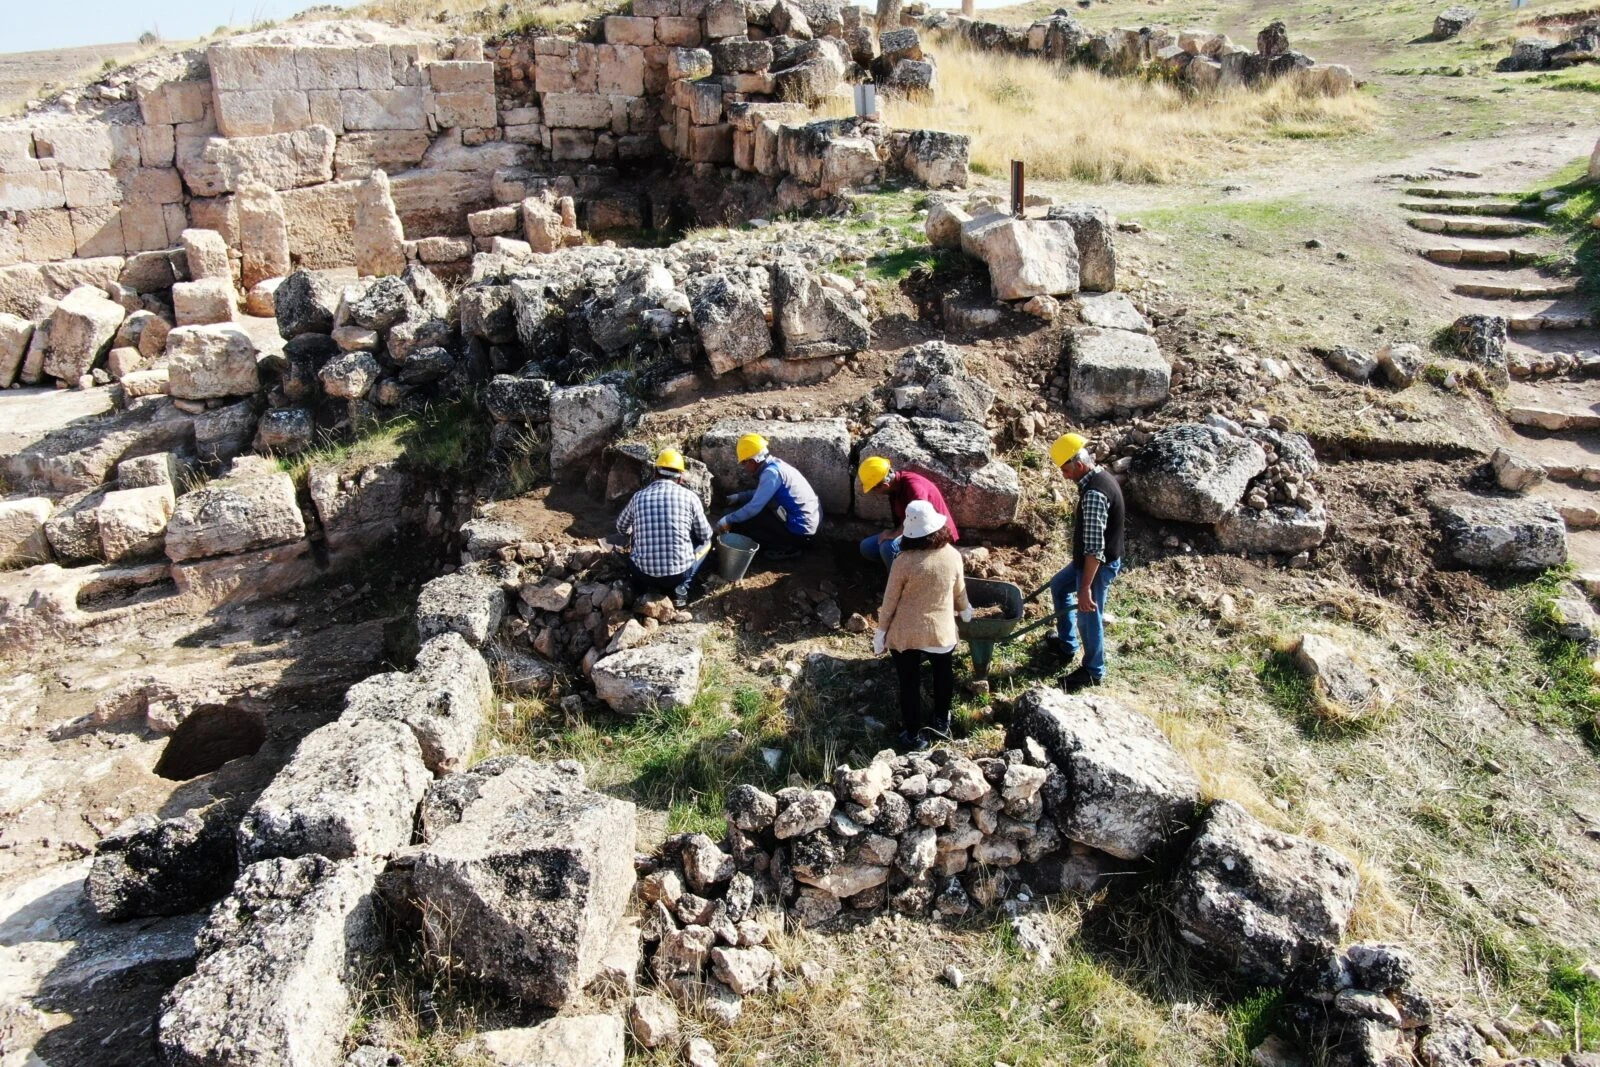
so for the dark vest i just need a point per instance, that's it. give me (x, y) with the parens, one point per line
(1100, 479)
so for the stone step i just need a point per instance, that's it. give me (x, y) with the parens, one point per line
(1574, 458)
(1562, 320)
(1578, 505)
(1475, 227)
(1583, 552)
(1554, 406)
(1437, 192)
(1486, 256)
(1513, 290)
(1469, 207)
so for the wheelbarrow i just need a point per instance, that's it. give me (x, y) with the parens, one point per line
(983, 634)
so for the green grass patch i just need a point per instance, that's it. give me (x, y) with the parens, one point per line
(1566, 692)
(1248, 1023)
(897, 266)
(1285, 687)
(444, 438)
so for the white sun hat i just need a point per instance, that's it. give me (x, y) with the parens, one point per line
(921, 519)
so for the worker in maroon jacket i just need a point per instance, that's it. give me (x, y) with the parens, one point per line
(879, 476)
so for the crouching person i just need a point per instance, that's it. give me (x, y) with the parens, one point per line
(670, 534)
(917, 621)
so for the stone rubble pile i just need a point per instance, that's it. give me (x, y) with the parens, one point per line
(1204, 60)
(1579, 44)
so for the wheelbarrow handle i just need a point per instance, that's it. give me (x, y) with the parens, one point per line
(1031, 597)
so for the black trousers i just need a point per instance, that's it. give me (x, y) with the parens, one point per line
(908, 666)
(769, 531)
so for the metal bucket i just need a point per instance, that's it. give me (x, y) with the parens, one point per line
(734, 555)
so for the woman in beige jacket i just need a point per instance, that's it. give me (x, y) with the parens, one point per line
(918, 618)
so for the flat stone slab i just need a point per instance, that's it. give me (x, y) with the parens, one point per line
(1115, 369)
(1489, 533)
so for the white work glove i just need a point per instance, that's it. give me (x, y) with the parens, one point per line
(880, 643)
(967, 613)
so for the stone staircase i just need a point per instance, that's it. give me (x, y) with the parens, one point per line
(1556, 424)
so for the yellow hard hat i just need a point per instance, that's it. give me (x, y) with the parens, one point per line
(750, 446)
(670, 459)
(873, 470)
(1067, 446)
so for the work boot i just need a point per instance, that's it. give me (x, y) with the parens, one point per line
(1078, 679)
(1054, 644)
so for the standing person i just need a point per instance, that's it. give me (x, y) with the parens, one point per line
(1079, 589)
(879, 476)
(918, 619)
(781, 514)
(669, 530)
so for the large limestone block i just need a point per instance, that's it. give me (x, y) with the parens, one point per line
(74, 529)
(583, 420)
(818, 448)
(208, 583)
(379, 236)
(81, 331)
(524, 875)
(659, 676)
(1097, 252)
(263, 234)
(464, 603)
(445, 701)
(206, 253)
(202, 303)
(1193, 473)
(15, 334)
(359, 509)
(1270, 906)
(235, 515)
(212, 166)
(1488, 532)
(982, 492)
(1112, 369)
(936, 159)
(321, 220)
(278, 964)
(729, 320)
(205, 362)
(815, 320)
(22, 536)
(1025, 257)
(351, 789)
(1279, 529)
(1129, 791)
(83, 454)
(133, 522)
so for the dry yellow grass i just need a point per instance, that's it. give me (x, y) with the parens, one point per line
(475, 16)
(1068, 123)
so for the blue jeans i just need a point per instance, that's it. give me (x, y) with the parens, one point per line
(1071, 623)
(673, 585)
(885, 551)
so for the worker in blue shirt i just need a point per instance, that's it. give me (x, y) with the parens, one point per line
(781, 514)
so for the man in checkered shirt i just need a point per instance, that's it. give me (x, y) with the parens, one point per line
(669, 530)
(1079, 589)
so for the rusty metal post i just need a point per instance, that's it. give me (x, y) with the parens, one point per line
(1017, 195)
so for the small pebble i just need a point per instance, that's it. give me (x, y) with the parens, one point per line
(953, 975)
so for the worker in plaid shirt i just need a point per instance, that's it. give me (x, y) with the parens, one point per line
(669, 531)
(1078, 591)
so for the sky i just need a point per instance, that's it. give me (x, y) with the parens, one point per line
(33, 25)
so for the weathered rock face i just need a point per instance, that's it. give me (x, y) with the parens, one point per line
(1514, 473)
(662, 675)
(1194, 473)
(277, 960)
(815, 320)
(1337, 679)
(1269, 906)
(1025, 257)
(1452, 21)
(583, 420)
(1115, 369)
(524, 875)
(360, 508)
(133, 522)
(1485, 532)
(444, 701)
(938, 160)
(379, 237)
(305, 303)
(932, 380)
(1128, 792)
(1481, 339)
(82, 328)
(351, 789)
(729, 320)
(206, 362)
(981, 491)
(464, 603)
(235, 515)
(818, 448)
(150, 866)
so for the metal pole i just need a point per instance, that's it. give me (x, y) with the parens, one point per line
(1016, 188)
